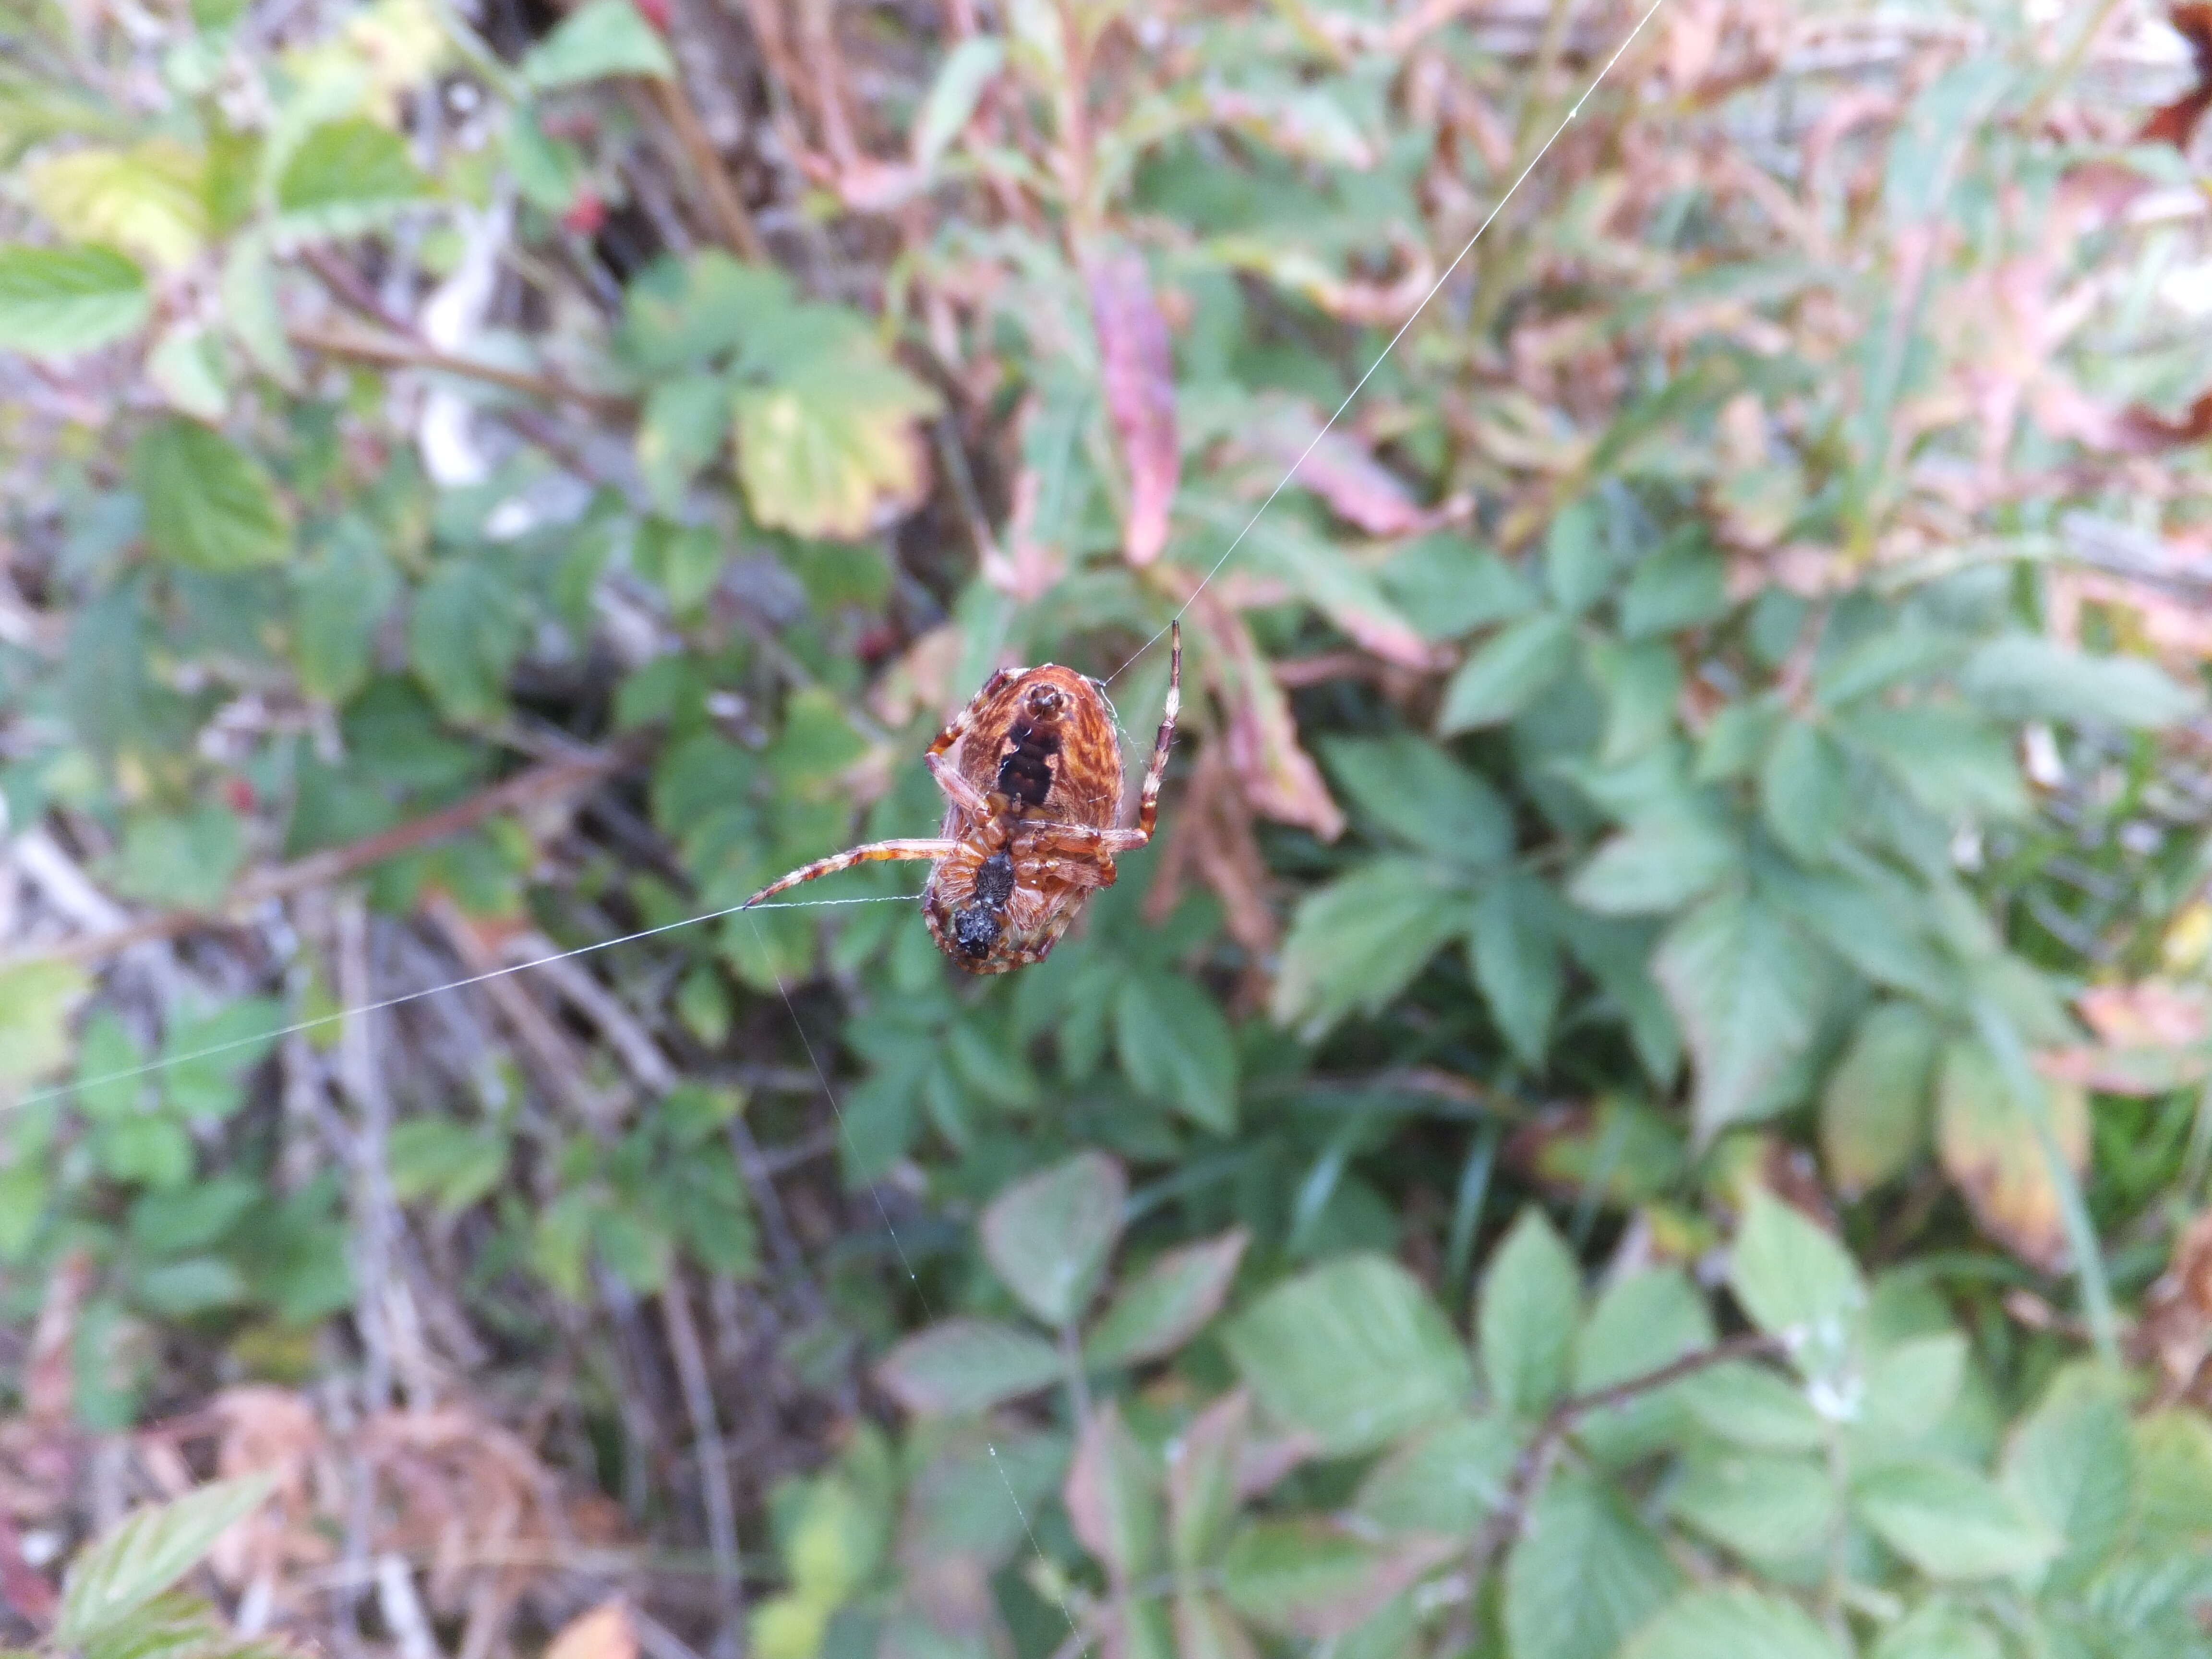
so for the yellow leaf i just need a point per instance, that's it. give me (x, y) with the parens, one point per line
(145, 200)
(790, 1627)
(823, 451)
(36, 1003)
(1991, 1150)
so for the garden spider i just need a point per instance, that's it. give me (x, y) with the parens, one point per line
(1030, 800)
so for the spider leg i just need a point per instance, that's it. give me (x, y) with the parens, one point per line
(958, 726)
(1034, 869)
(961, 793)
(874, 852)
(1148, 801)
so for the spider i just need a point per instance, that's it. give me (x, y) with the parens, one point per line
(1030, 801)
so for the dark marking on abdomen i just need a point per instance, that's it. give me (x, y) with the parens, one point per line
(1025, 775)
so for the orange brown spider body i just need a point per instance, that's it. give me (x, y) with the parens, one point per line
(1031, 797)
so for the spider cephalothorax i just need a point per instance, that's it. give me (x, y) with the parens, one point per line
(1032, 791)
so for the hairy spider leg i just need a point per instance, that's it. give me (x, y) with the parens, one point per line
(962, 793)
(931, 848)
(957, 727)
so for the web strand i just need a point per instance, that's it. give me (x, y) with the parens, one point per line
(1435, 288)
(293, 1029)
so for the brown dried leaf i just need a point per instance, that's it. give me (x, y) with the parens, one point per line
(2150, 1013)
(605, 1632)
(1140, 376)
(1278, 777)
(2176, 1329)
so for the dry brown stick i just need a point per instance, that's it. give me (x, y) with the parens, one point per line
(733, 221)
(713, 1460)
(537, 785)
(408, 353)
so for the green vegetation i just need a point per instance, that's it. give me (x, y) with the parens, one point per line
(1650, 1098)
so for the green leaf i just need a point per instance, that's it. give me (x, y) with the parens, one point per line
(1892, 657)
(1310, 1577)
(2023, 677)
(1683, 584)
(1354, 1352)
(1048, 1237)
(600, 38)
(56, 301)
(1641, 1321)
(1745, 986)
(36, 1000)
(1952, 763)
(196, 1285)
(1164, 1307)
(1909, 1388)
(1737, 1622)
(2173, 1475)
(958, 88)
(1752, 1406)
(338, 601)
(185, 366)
(681, 314)
(1937, 1630)
(182, 858)
(958, 1367)
(1419, 795)
(1507, 672)
(1583, 1574)
(832, 443)
(451, 1163)
(2070, 1464)
(1531, 1302)
(1513, 948)
(1577, 563)
(204, 1057)
(1874, 1109)
(209, 506)
(684, 426)
(148, 1551)
(1443, 1480)
(1175, 1045)
(1766, 1506)
(347, 176)
(1642, 683)
(1113, 1495)
(465, 630)
(1656, 866)
(1804, 790)
(1357, 942)
(1951, 1522)
(1788, 1275)
(1202, 1479)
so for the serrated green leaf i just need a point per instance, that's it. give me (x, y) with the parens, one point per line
(1113, 1495)
(685, 424)
(36, 1000)
(1877, 1105)
(1752, 1406)
(1790, 1277)
(961, 1366)
(1640, 1322)
(831, 443)
(1443, 1480)
(1357, 942)
(597, 39)
(1419, 795)
(1354, 1352)
(1164, 1307)
(1507, 672)
(1950, 1521)
(57, 301)
(1746, 988)
(1804, 790)
(953, 95)
(209, 506)
(148, 1551)
(2027, 676)
(182, 858)
(1736, 1621)
(1938, 1630)
(1765, 1506)
(1530, 1305)
(1175, 1045)
(2070, 1464)
(1583, 1575)
(465, 630)
(1656, 866)
(346, 176)
(1047, 1236)
(1513, 946)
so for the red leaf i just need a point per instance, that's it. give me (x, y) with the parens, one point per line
(1133, 347)
(586, 214)
(2176, 124)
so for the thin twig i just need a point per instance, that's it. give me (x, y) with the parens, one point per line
(713, 1460)
(733, 221)
(408, 353)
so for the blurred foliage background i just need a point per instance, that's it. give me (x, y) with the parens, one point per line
(1650, 1098)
